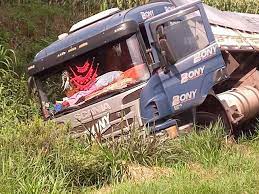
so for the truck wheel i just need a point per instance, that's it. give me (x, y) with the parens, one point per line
(210, 111)
(205, 119)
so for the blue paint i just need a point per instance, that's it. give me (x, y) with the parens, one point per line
(165, 90)
(58, 107)
(100, 27)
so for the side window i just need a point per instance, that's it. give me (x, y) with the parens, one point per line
(186, 35)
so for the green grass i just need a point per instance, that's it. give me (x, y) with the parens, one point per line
(245, 6)
(231, 169)
(27, 28)
(185, 179)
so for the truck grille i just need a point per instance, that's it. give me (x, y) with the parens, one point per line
(119, 120)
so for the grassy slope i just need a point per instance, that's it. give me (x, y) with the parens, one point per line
(27, 28)
(38, 157)
(235, 172)
(212, 166)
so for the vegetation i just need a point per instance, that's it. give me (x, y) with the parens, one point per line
(39, 157)
(244, 6)
(36, 23)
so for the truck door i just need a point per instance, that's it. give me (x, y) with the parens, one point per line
(184, 49)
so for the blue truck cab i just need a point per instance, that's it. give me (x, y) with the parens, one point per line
(183, 46)
(170, 49)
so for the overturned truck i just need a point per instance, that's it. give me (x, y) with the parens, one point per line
(167, 65)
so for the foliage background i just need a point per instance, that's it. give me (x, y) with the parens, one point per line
(27, 26)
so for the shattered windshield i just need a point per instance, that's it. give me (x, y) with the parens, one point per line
(98, 73)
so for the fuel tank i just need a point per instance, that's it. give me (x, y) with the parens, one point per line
(241, 103)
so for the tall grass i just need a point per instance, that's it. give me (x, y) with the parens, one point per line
(7, 59)
(92, 6)
(244, 6)
(41, 157)
(14, 103)
(213, 165)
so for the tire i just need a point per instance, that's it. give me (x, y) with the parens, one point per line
(206, 119)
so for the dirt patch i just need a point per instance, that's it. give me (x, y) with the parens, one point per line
(137, 173)
(205, 174)
(106, 189)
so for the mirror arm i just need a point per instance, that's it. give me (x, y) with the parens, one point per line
(166, 65)
(160, 37)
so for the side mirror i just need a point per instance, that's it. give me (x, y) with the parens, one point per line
(167, 53)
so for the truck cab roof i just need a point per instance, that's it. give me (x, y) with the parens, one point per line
(95, 34)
